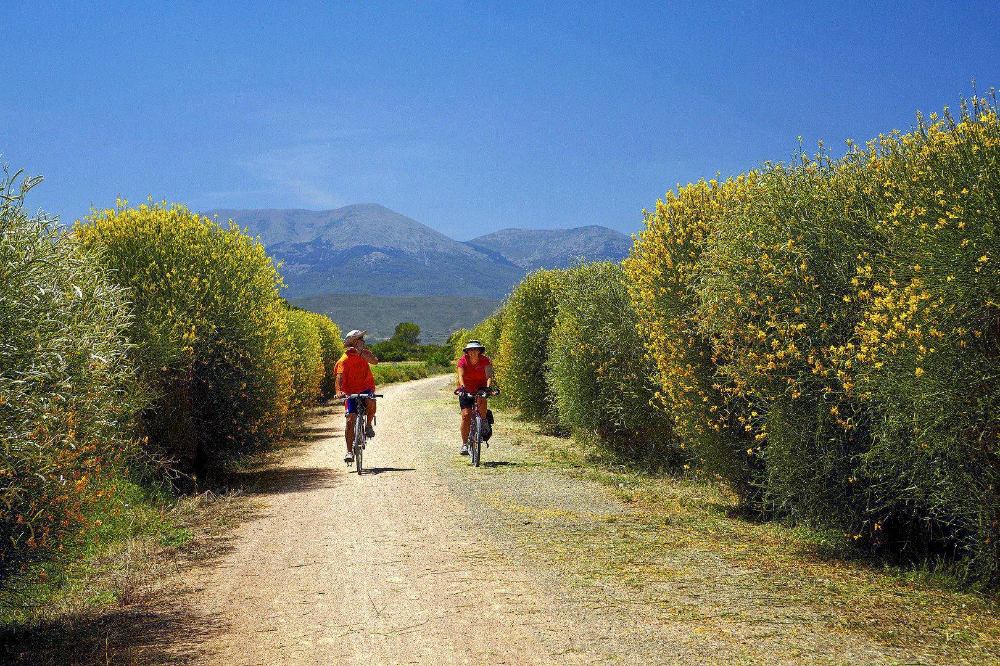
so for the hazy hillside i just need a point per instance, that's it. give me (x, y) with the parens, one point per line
(367, 248)
(438, 316)
(554, 248)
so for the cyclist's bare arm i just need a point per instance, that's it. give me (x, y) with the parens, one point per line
(336, 385)
(461, 377)
(489, 376)
(370, 357)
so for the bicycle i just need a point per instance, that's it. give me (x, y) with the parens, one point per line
(358, 445)
(475, 441)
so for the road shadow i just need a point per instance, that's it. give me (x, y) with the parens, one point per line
(379, 470)
(282, 480)
(170, 632)
(499, 463)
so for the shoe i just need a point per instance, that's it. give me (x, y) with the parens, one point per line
(465, 449)
(349, 458)
(369, 431)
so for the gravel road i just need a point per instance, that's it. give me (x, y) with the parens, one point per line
(427, 560)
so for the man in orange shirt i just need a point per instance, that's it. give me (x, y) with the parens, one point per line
(354, 375)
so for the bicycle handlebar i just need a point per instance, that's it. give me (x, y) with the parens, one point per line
(354, 396)
(481, 393)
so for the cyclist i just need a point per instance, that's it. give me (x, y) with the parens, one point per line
(354, 375)
(475, 372)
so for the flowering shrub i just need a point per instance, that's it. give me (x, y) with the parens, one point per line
(926, 353)
(598, 369)
(67, 392)
(826, 336)
(208, 328)
(660, 272)
(522, 352)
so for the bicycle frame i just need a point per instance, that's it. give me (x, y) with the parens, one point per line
(360, 439)
(475, 440)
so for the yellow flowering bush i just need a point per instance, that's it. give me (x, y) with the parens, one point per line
(208, 329)
(68, 398)
(660, 273)
(928, 343)
(775, 299)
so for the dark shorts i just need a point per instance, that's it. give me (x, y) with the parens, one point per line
(466, 401)
(351, 406)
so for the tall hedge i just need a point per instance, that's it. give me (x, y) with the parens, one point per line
(519, 363)
(331, 347)
(208, 329)
(598, 368)
(67, 391)
(308, 366)
(827, 336)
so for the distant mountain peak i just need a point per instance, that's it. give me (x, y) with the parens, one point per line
(369, 248)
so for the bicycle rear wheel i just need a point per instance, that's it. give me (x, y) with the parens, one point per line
(359, 449)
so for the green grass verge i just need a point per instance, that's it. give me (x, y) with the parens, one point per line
(684, 520)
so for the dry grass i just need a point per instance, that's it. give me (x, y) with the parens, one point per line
(689, 557)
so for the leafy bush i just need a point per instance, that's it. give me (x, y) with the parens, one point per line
(519, 362)
(928, 344)
(660, 271)
(773, 295)
(331, 347)
(67, 392)
(599, 371)
(308, 366)
(389, 373)
(208, 328)
(826, 336)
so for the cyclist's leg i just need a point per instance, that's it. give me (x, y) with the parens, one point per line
(481, 402)
(466, 423)
(352, 418)
(371, 405)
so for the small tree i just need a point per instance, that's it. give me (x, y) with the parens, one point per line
(407, 335)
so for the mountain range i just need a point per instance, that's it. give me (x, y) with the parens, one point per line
(370, 249)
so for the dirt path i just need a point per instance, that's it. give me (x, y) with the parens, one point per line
(427, 560)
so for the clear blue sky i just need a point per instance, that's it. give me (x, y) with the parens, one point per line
(469, 117)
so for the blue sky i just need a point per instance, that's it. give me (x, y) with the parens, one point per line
(469, 117)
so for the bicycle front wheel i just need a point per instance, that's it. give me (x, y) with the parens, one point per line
(477, 442)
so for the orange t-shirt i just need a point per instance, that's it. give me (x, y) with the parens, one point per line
(357, 374)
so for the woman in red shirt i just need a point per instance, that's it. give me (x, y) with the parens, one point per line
(475, 372)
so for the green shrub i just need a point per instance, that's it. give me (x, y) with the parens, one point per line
(332, 347)
(774, 297)
(522, 352)
(67, 392)
(208, 328)
(599, 371)
(389, 373)
(308, 367)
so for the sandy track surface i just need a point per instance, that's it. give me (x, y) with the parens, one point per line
(428, 560)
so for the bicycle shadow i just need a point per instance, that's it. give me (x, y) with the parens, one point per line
(379, 470)
(499, 463)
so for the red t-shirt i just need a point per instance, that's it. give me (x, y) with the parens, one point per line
(475, 375)
(357, 375)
